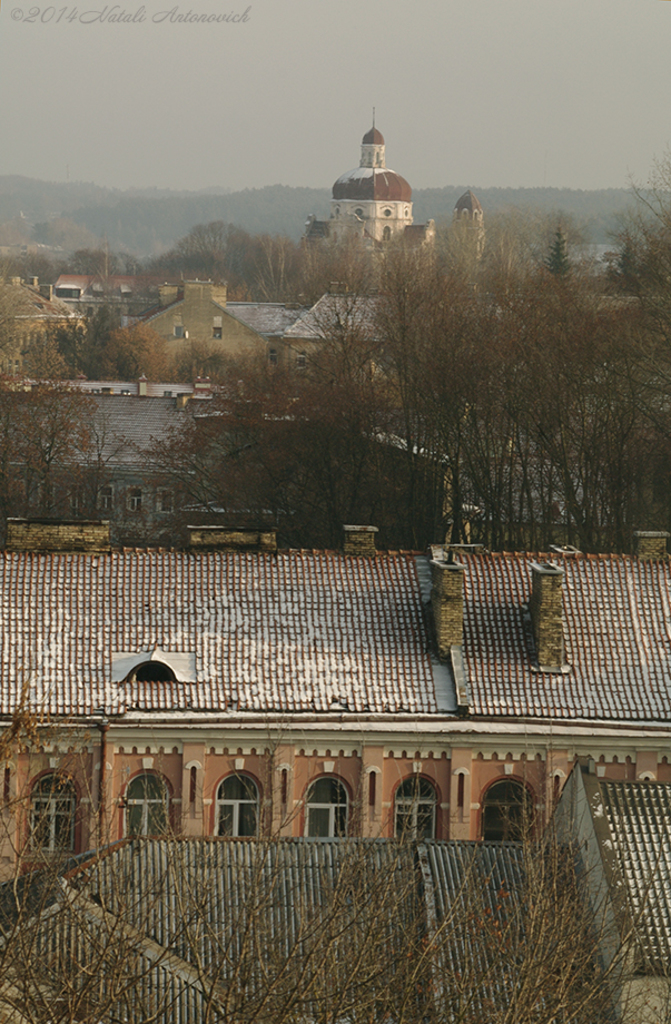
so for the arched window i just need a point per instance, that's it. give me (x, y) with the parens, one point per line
(52, 814)
(237, 806)
(326, 813)
(386, 234)
(506, 811)
(146, 806)
(416, 809)
(151, 672)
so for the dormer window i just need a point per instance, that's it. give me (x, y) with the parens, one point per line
(151, 672)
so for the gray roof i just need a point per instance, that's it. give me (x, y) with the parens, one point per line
(128, 426)
(270, 319)
(639, 822)
(259, 925)
(333, 314)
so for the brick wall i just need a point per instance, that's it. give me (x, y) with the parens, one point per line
(359, 541)
(215, 538)
(650, 545)
(57, 535)
(447, 603)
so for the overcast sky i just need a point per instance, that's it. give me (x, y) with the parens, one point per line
(470, 92)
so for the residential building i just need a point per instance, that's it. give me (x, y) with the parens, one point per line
(28, 313)
(253, 690)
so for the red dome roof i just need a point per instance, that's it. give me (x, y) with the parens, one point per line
(372, 183)
(373, 138)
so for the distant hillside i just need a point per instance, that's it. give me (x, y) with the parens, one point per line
(146, 221)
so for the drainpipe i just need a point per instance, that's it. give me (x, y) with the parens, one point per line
(103, 726)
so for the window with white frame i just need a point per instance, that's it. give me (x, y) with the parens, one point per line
(52, 814)
(146, 806)
(326, 810)
(237, 806)
(134, 499)
(415, 809)
(105, 498)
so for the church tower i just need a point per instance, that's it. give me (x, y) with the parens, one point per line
(371, 199)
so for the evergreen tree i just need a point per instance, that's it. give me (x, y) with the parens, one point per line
(557, 261)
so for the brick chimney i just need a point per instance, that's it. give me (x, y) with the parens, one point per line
(359, 541)
(75, 535)
(650, 545)
(167, 293)
(547, 615)
(447, 604)
(142, 386)
(223, 538)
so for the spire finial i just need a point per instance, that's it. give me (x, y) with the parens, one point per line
(373, 117)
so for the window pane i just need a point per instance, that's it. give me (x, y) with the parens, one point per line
(318, 822)
(237, 787)
(146, 787)
(226, 820)
(134, 820)
(327, 791)
(157, 819)
(247, 823)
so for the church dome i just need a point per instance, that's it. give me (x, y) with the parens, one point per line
(373, 138)
(468, 203)
(372, 183)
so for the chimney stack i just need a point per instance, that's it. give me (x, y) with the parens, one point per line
(142, 386)
(447, 604)
(547, 615)
(223, 538)
(360, 541)
(650, 545)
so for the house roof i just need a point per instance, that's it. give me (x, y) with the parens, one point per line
(127, 425)
(334, 313)
(266, 318)
(617, 636)
(294, 632)
(207, 913)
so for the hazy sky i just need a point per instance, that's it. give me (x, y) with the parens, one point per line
(473, 92)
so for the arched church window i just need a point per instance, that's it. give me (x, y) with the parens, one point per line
(506, 811)
(326, 814)
(415, 809)
(237, 806)
(52, 814)
(147, 806)
(386, 234)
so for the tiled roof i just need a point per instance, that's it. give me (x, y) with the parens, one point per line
(128, 425)
(617, 635)
(294, 632)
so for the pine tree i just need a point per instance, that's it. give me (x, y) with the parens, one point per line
(557, 261)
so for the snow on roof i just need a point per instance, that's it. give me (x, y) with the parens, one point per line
(617, 635)
(289, 633)
(334, 313)
(266, 318)
(638, 815)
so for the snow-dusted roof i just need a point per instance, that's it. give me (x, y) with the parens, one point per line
(617, 635)
(334, 313)
(288, 633)
(266, 318)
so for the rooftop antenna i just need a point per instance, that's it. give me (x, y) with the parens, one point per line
(373, 117)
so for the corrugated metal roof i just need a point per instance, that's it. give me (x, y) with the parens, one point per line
(639, 820)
